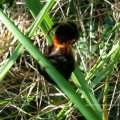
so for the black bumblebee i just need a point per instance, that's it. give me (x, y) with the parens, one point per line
(60, 52)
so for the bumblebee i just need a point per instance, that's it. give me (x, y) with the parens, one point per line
(60, 52)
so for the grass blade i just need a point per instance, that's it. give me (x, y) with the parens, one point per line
(86, 90)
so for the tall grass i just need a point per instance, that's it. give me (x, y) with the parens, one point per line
(83, 98)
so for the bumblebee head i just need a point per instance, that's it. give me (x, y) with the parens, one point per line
(66, 32)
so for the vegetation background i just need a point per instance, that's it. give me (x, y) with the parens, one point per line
(24, 94)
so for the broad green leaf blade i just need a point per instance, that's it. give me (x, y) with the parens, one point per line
(34, 7)
(41, 15)
(46, 22)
